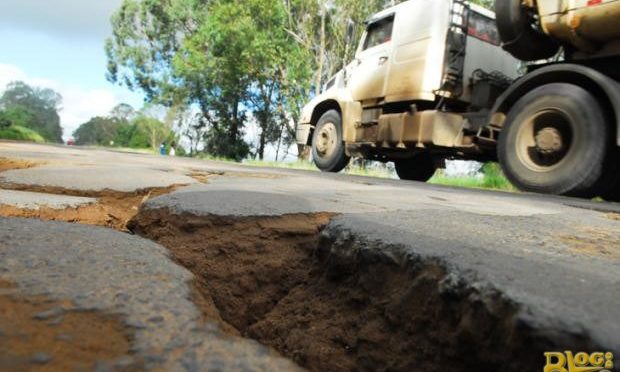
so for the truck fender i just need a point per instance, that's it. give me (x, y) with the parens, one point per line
(310, 117)
(604, 88)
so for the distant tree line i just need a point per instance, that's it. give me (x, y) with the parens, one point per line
(31, 110)
(125, 127)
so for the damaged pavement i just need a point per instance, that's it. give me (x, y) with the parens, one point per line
(227, 270)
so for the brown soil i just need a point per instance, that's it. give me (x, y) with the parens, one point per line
(614, 216)
(113, 209)
(10, 164)
(201, 177)
(204, 177)
(275, 280)
(31, 340)
(593, 242)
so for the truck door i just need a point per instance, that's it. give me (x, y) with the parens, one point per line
(371, 65)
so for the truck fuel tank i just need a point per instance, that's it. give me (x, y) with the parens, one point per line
(588, 25)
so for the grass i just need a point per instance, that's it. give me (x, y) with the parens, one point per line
(492, 179)
(17, 133)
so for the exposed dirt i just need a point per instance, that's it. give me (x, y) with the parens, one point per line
(201, 177)
(614, 216)
(38, 334)
(593, 242)
(278, 280)
(113, 209)
(11, 164)
(245, 266)
(204, 176)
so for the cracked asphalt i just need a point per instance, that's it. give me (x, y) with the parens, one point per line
(557, 258)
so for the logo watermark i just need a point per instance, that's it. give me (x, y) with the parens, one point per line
(580, 362)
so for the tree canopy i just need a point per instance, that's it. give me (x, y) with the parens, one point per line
(33, 108)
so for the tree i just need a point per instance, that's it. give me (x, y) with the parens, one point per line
(97, 131)
(123, 112)
(33, 108)
(5, 121)
(177, 55)
(149, 132)
(191, 125)
(222, 56)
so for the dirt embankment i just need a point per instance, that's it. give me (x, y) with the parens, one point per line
(40, 334)
(332, 305)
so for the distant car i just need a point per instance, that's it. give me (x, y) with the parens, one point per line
(70, 142)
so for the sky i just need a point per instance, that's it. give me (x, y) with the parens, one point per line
(59, 44)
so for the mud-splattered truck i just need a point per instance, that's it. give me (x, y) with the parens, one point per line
(533, 86)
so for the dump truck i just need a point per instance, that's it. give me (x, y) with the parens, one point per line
(533, 86)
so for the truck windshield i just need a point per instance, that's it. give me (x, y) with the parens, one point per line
(379, 32)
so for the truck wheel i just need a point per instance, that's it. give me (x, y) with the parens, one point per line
(419, 168)
(328, 144)
(555, 141)
(520, 36)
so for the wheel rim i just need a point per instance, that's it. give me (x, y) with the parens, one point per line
(544, 140)
(327, 140)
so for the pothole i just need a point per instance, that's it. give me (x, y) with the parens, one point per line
(40, 334)
(112, 209)
(332, 304)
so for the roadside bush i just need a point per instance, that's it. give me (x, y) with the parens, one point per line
(17, 133)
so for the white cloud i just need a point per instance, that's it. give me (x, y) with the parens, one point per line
(79, 104)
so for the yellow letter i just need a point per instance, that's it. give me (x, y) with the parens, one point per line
(597, 359)
(555, 362)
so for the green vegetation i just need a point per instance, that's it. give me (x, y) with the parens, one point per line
(492, 179)
(126, 128)
(485, 3)
(17, 133)
(25, 107)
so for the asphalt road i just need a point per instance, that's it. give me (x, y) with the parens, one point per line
(557, 259)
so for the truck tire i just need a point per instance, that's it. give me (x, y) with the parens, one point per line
(328, 149)
(419, 168)
(555, 141)
(519, 34)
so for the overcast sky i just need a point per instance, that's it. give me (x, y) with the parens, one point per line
(87, 19)
(59, 44)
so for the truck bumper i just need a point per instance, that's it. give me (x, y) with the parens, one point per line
(303, 133)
